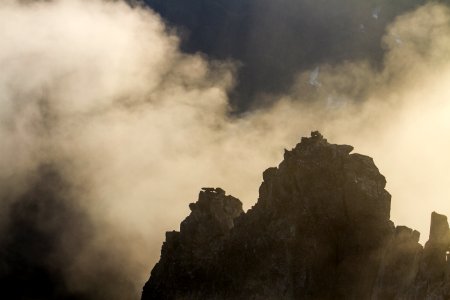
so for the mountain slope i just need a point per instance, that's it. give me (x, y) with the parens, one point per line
(320, 230)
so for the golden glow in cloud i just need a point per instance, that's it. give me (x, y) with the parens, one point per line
(101, 91)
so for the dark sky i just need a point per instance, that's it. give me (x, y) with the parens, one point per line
(274, 40)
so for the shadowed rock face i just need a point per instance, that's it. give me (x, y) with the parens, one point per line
(320, 230)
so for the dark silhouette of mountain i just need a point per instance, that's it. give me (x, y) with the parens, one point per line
(320, 229)
(43, 240)
(41, 223)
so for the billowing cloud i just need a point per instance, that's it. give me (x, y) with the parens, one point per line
(274, 40)
(100, 92)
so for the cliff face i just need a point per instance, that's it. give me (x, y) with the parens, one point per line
(320, 230)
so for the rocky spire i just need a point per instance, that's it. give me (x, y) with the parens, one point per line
(319, 230)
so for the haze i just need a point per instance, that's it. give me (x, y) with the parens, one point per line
(101, 92)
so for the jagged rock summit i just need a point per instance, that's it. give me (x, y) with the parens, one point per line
(319, 230)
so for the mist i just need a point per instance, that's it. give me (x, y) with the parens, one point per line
(302, 35)
(117, 129)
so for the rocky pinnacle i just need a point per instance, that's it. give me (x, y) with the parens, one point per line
(320, 229)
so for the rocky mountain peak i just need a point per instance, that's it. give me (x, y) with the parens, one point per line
(319, 230)
(314, 144)
(439, 229)
(211, 216)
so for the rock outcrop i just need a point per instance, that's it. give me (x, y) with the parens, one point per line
(320, 229)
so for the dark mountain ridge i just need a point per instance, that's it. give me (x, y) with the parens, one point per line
(320, 229)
